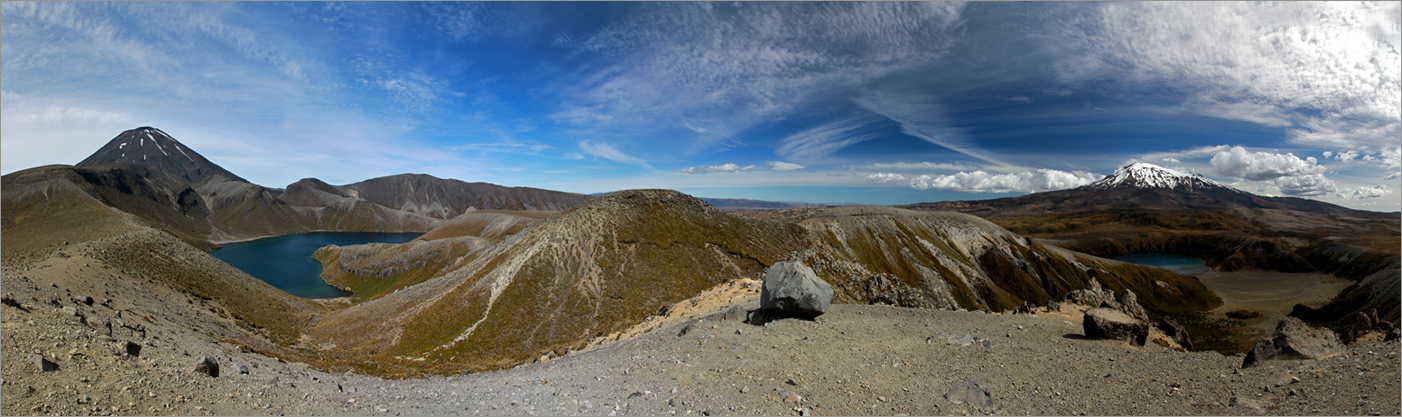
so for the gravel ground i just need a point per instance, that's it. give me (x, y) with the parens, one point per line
(854, 360)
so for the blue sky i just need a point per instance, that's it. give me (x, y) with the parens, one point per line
(879, 103)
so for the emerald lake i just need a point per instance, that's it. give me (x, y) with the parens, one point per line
(1185, 265)
(286, 261)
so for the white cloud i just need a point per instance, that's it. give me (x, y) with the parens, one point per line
(607, 151)
(983, 182)
(1263, 166)
(724, 168)
(1365, 192)
(1259, 62)
(885, 177)
(784, 166)
(1307, 185)
(1173, 160)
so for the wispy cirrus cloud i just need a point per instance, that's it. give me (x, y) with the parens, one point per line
(723, 168)
(743, 63)
(607, 151)
(1338, 62)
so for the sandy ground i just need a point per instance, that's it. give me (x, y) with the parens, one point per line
(1272, 294)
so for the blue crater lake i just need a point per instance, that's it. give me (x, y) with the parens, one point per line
(286, 261)
(1185, 265)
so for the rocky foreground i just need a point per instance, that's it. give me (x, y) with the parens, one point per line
(853, 360)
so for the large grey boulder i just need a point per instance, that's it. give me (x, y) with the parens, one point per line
(1293, 339)
(792, 289)
(1109, 323)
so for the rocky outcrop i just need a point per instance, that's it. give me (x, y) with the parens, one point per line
(791, 289)
(1108, 323)
(1293, 339)
(1092, 295)
(1129, 304)
(1176, 332)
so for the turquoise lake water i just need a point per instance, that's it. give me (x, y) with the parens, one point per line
(1185, 265)
(286, 261)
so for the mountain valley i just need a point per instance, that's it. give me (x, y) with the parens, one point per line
(607, 304)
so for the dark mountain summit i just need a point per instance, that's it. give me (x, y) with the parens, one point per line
(151, 147)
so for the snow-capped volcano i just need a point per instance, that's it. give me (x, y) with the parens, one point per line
(1142, 175)
(151, 147)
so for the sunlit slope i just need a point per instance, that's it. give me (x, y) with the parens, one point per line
(608, 263)
(588, 271)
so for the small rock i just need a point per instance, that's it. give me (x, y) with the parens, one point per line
(686, 329)
(735, 313)
(208, 366)
(42, 363)
(793, 398)
(970, 392)
(745, 390)
(133, 348)
(11, 301)
(792, 381)
(242, 369)
(84, 399)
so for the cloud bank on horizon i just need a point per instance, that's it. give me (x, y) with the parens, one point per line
(880, 103)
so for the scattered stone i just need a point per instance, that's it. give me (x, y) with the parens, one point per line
(1112, 324)
(686, 329)
(1025, 308)
(1293, 339)
(735, 313)
(745, 390)
(243, 369)
(42, 363)
(1247, 404)
(133, 348)
(791, 288)
(793, 398)
(1177, 332)
(970, 392)
(208, 366)
(1392, 334)
(792, 381)
(84, 399)
(11, 301)
(85, 300)
(1053, 306)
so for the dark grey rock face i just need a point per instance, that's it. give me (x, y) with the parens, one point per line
(791, 288)
(1109, 323)
(1177, 332)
